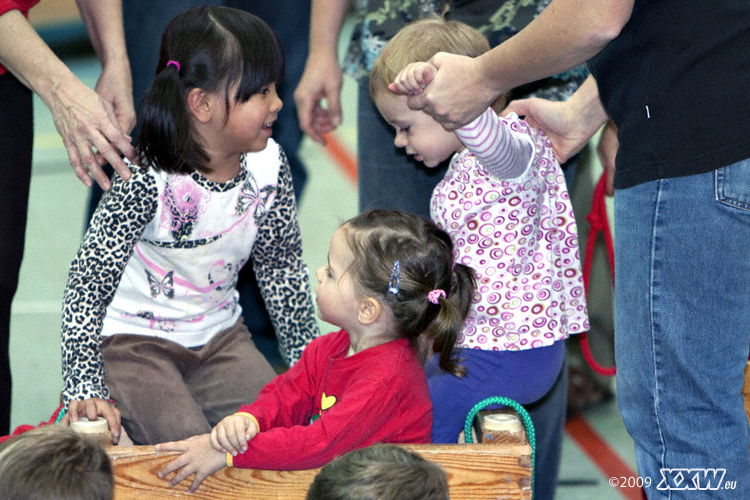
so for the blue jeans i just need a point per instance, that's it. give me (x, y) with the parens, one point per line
(682, 328)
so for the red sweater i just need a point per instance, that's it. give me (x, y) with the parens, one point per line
(22, 5)
(328, 404)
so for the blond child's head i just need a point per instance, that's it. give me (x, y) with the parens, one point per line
(418, 42)
(417, 132)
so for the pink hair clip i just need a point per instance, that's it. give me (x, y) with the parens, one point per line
(434, 296)
(175, 63)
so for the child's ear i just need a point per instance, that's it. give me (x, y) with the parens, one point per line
(200, 103)
(369, 311)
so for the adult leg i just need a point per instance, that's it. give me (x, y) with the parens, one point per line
(230, 372)
(548, 416)
(682, 324)
(16, 138)
(290, 20)
(388, 177)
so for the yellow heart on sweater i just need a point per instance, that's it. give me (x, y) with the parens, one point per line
(327, 401)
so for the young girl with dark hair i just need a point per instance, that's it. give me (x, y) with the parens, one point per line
(392, 286)
(151, 299)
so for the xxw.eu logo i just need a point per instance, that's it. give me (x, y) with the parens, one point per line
(694, 479)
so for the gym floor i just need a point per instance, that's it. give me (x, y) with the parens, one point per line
(597, 450)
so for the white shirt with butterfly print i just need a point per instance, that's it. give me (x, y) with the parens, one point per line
(180, 282)
(161, 258)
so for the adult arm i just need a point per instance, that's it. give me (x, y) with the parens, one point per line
(281, 273)
(82, 117)
(322, 77)
(565, 34)
(103, 20)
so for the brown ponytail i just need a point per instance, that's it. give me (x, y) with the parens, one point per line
(424, 252)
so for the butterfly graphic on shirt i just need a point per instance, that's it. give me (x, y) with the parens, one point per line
(251, 196)
(165, 286)
(326, 402)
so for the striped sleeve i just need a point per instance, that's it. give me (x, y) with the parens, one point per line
(504, 154)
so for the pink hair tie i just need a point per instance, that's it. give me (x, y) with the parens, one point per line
(434, 296)
(175, 63)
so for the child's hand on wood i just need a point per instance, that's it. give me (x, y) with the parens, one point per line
(413, 78)
(198, 457)
(232, 434)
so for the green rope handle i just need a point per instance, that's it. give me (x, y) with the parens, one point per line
(528, 424)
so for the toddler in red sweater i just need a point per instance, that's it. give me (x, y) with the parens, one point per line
(393, 288)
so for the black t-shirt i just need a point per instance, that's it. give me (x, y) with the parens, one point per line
(676, 81)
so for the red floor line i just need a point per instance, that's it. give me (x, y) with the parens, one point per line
(343, 158)
(604, 457)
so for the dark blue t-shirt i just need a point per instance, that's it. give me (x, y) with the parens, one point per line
(676, 81)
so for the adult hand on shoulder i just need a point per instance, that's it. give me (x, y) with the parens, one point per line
(569, 124)
(457, 92)
(198, 457)
(552, 119)
(87, 122)
(322, 79)
(81, 116)
(92, 409)
(116, 88)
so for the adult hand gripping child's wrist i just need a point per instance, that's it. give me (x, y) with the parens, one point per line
(457, 93)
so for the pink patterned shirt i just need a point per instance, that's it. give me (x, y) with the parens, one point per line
(506, 207)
